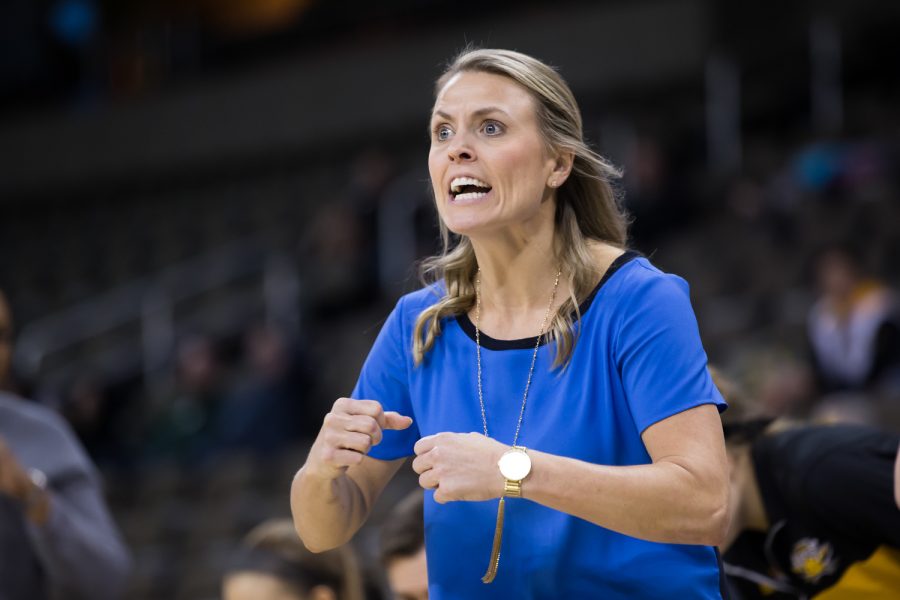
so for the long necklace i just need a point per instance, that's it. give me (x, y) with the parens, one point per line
(498, 531)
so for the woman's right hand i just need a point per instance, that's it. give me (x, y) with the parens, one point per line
(349, 430)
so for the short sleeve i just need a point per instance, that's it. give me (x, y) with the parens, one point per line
(384, 377)
(659, 355)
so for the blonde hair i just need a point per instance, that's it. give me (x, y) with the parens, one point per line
(586, 204)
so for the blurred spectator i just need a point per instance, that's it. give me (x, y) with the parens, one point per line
(403, 549)
(184, 426)
(273, 564)
(6, 341)
(334, 257)
(853, 328)
(265, 411)
(88, 410)
(57, 539)
(795, 531)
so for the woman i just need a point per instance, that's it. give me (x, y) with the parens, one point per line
(274, 565)
(623, 464)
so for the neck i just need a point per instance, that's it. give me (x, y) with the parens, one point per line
(517, 268)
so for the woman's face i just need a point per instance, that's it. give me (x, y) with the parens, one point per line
(489, 165)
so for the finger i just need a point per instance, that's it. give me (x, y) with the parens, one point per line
(396, 421)
(367, 425)
(350, 440)
(428, 480)
(341, 457)
(424, 444)
(423, 463)
(371, 408)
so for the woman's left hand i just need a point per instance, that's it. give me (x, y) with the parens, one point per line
(459, 466)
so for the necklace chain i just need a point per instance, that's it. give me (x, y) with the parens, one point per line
(537, 345)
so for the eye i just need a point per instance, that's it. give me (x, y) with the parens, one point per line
(442, 133)
(492, 128)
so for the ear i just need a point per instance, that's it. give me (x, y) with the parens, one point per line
(562, 168)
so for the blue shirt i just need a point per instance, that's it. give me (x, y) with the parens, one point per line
(638, 359)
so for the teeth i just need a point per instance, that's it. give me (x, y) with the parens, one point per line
(458, 182)
(469, 196)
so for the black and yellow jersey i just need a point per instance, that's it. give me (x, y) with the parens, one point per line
(834, 529)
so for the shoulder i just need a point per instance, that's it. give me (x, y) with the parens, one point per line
(639, 288)
(417, 301)
(401, 320)
(22, 415)
(822, 453)
(39, 436)
(641, 277)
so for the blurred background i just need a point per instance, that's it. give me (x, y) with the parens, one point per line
(208, 208)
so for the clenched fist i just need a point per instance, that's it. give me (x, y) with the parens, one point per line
(349, 430)
(459, 466)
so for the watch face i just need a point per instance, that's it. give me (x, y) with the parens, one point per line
(515, 465)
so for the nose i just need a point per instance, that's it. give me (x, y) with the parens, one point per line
(460, 150)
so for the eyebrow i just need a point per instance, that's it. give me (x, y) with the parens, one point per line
(478, 113)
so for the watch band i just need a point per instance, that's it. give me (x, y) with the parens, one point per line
(512, 488)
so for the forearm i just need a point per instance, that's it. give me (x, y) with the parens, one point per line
(663, 502)
(327, 512)
(79, 545)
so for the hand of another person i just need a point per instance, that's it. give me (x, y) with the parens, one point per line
(459, 466)
(348, 432)
(14, 481)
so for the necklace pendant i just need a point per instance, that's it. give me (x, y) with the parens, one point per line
(495, 551)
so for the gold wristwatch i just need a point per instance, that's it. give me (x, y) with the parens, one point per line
(515, 465)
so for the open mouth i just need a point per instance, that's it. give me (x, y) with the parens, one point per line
(468, 188)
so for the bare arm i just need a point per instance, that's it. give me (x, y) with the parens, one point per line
(333, 493)
(681, 497)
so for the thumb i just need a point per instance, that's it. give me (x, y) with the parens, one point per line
(394, 420)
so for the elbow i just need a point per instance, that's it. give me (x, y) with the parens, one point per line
(706, 526)
(705, 515)
(716, 516)
(716, 530)
(310, 541)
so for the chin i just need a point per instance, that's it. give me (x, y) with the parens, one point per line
(466, 228)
